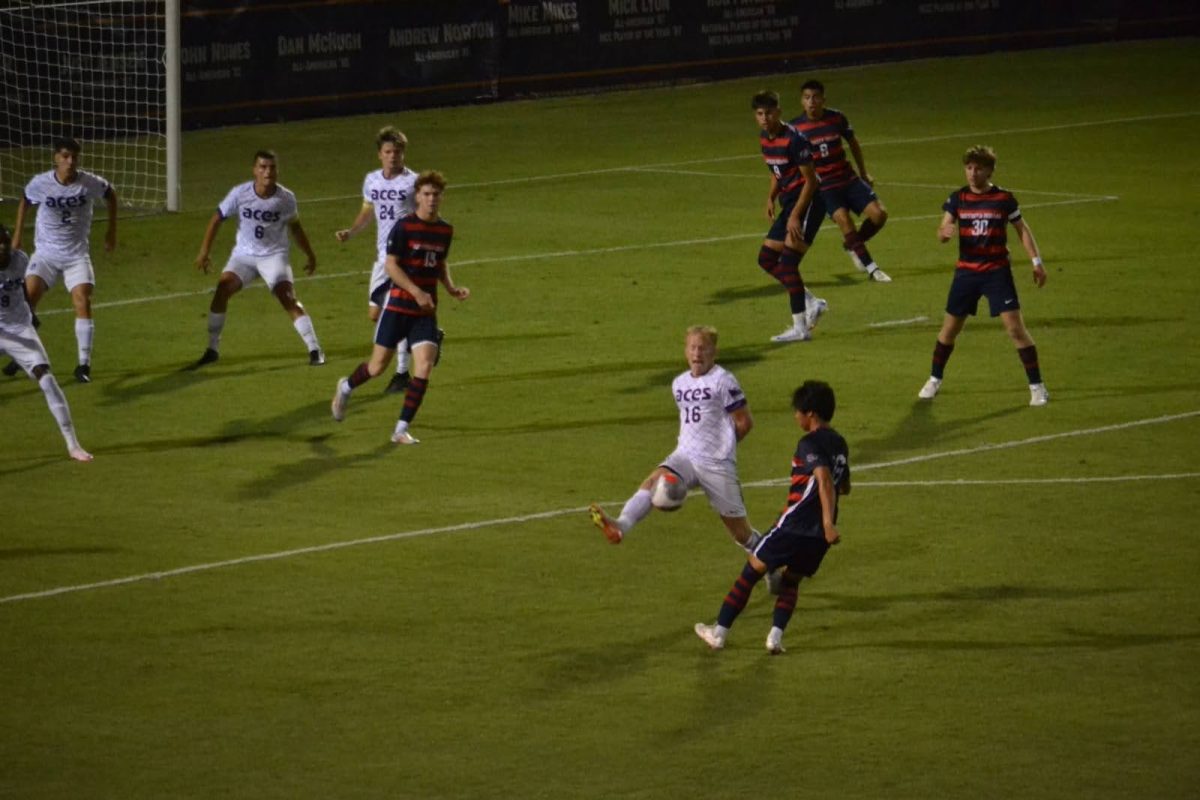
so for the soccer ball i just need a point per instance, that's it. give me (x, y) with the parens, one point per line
(668, 492)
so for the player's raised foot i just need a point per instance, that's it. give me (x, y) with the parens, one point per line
(210, 357)
(711, 636)
(605, 523)
(792, 335)
(316, 358)
(11, 368)
(878, 275)
(814, 311)
(858, 265)
(337, 406)
(79, 454)
(83, 373)
(1038, 396)
(775, 642)
(404, 437)
(397, 384)
(930, 389)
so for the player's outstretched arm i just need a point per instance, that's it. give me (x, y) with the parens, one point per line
(302, 240)
(203, 262)
(19, 224)
(110, 235)
(856, 151)
(365, 215)
(457, 292)
(1031, 248)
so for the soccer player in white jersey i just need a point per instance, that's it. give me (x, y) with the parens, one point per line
(387, 196)
(266, 212)
(713, 418)
(63, 199)
(19, 339)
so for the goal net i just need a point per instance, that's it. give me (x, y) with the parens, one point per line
(97, 71)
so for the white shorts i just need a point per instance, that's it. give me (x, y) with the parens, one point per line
(73, 271)
(23, 344)
(272, 269)
(379, 277)
(718, 480)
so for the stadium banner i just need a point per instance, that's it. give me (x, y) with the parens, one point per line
(267, 60)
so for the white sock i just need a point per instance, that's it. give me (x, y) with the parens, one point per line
(809, 297)
(59, 408)
(304, 327)
(800, 322)
(344, 387)
(720, 631)
(216, 324)
(401, 427)
(635, 510)
(85, 330)
(402, 357)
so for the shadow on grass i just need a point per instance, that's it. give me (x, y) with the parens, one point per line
(919, 429)
(322, 462)
(124, 387)
(999, 593)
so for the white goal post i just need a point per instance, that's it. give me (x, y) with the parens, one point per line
(105, 72)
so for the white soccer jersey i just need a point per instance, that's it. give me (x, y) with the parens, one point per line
(393, 200)
(706, 431)
(14, 310)
(262, 221)
(64, 217)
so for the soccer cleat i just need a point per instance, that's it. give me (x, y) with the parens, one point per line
(792, 335)
(316, 358)
(878, 275)
(710, 636)
(775, 642)
(814, 311)
(12, 368)
(858, 265)
(775, 581)
(610, 529)
(397, 384)
(210, 356)
(338, 405)
(404, 437)
(930, 389)
(83, 373)
(1038, 396)
(79, 454)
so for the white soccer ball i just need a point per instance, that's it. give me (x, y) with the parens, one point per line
(668, 492)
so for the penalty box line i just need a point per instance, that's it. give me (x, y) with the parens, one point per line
(516, 520)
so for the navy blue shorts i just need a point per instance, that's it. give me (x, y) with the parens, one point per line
(856, 196)
(394, 327)
(809, 225)
(800, 552)
(969, 285)
(380, 293)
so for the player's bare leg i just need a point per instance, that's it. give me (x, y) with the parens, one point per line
(285, 293)
(228, 285)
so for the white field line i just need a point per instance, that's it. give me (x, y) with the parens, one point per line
(594, 251)
(473, 526)
(893, 322)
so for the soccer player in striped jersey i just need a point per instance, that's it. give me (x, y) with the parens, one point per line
(807, 527)
(713, 417)
(387, 196)
(63, 199)
(794, 184)
(978, 214)
(19, 340)
(842, 190)
(267, 212)
(417, 250)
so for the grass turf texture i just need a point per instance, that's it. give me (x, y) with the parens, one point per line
(976, 640)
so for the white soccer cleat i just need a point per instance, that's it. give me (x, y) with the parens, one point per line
(814, 311)
(1038, 396)
(338, 405)
(878, 275)
(792, 335)
(775, 642)
(710, 636)
(858, 265)
(930, 389)
(79, 454)
(404, 437)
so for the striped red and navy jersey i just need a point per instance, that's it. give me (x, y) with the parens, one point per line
(823, 447)
(983, 226)
(785, 153)
(829, 156)
(420, 249)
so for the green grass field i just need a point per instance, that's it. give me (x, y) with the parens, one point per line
(241, 598)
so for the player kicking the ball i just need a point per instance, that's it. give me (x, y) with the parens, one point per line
(713, 418)
(19, 340)
(416, 263)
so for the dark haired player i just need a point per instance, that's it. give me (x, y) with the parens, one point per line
(806, 528)
(417, 249)
(979, 214)
(794, 183)
(842, 189)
